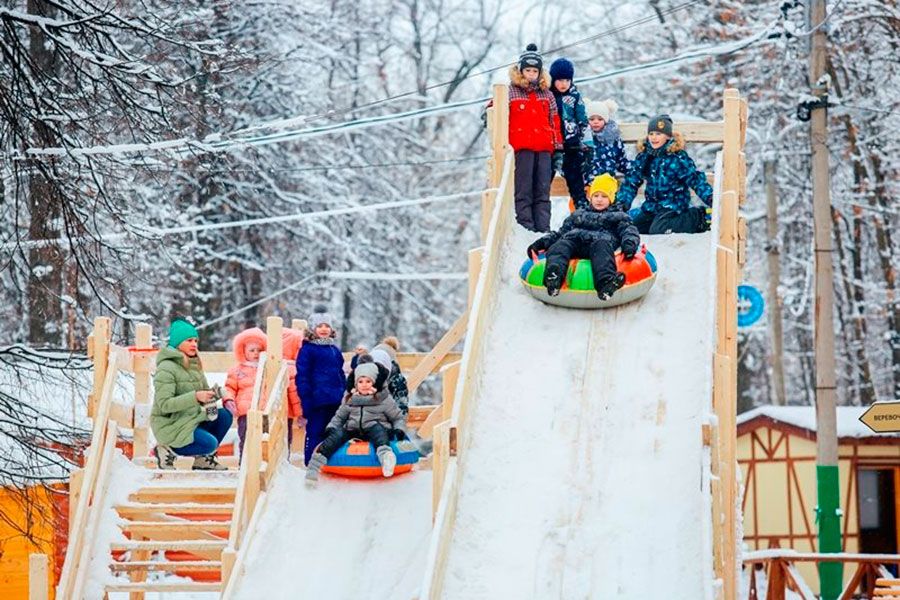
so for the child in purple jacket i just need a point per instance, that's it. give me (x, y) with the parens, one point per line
(320, 378)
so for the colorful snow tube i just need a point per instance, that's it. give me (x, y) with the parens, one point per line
(578, 289)
(357, 458)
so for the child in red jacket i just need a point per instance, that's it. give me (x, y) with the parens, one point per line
(534, 133)
(238, 393)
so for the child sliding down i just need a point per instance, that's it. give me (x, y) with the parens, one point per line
(595, 233)
(365, 414)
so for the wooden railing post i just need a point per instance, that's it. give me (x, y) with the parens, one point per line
(274, 326)
(98, 349)
(142, 366)
(499, 131)
(38, 577)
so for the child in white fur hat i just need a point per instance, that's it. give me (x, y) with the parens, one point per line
(607, 153)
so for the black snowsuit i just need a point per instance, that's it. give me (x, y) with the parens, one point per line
(592, 234)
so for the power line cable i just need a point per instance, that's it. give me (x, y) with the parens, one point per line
(158, 232)
(216, 143)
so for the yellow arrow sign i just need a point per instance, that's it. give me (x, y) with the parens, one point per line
(882, 417)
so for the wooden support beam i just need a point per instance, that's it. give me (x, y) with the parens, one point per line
(434, 358)
(76, 477)
(449, 380)
(440, 456)
(488, 197)
(142, 367)
(99, 346)
(38, 577)
(500, 131)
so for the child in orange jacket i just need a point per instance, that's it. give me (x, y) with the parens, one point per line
(238, 393)
(291, 341)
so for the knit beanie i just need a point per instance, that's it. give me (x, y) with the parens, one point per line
(661, 124)
(607, 184)
(562, 68)
(320, 316)
(181, 330)
(605, 109)
(531, 58)
(382, 357)
(368, 369)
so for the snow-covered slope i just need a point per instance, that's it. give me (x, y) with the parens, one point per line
(582, 474)
(344, 539)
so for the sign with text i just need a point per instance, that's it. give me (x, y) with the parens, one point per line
(882, 417)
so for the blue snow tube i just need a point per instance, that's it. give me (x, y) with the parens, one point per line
(357, 458)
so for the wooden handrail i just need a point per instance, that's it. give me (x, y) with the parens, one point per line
(93, 477)
(451, 435)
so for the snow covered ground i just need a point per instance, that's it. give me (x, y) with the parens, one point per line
(582, 477)
(345, 539)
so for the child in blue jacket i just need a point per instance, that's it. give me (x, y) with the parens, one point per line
(606, 150)
(573, 123)
(320, 378)
(670, 175)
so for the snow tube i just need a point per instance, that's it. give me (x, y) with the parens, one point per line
(578, 289)
(357, 458)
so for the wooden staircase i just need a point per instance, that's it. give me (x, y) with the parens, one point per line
(177, 524)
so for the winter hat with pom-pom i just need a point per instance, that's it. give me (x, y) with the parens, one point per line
(381, 356)
(562, 68)
(320, 316)
(605, 109)
(531, 58)
(393, 343)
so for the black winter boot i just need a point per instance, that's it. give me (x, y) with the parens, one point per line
(553, 279)
(605, 291)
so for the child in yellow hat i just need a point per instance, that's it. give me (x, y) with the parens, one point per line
(594, 233)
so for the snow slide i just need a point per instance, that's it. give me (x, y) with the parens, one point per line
(582, 476)
(343, 539)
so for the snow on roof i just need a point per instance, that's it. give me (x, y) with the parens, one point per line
(848, 423)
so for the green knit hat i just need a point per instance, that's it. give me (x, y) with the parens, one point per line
(181, 330)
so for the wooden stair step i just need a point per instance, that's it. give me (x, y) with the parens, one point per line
(142, 509)
(170, 494)
(148, 527)
(182, 474)
(167, 566)
(160, 586)
(175, 545)
(184, 463)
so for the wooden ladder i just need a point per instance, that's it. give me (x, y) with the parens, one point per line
(177, 524)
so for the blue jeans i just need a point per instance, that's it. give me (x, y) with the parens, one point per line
(207, 436)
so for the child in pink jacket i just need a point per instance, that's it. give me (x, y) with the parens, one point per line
(238, 393)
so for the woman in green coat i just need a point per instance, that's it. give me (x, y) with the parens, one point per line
(179, 418)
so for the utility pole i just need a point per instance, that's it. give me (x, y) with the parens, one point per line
(773, 249)
(827, 484)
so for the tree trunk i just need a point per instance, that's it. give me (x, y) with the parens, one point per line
(46, 264)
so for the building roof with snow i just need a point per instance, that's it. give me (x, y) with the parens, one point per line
(804, 418)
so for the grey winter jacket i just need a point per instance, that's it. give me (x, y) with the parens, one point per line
(359, 412)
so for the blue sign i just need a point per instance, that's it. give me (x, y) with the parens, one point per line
(750, 305)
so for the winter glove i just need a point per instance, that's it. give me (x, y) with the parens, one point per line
(536, 248)
(398, 435)
(558, 161)
(629, 251)
(707, 216)
(404, 408)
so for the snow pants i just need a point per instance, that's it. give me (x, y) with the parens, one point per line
(693, 220)
(376, 434)
(573, 172)
(316, 421)
(601, 251)
(533, 175)
(207, 436)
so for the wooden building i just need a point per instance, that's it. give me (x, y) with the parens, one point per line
(776, 450)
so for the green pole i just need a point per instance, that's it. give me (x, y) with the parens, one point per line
(831, 574)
